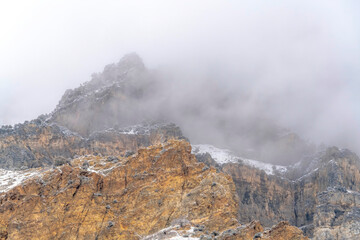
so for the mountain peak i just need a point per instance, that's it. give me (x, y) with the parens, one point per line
(131, 60)
(83, 109)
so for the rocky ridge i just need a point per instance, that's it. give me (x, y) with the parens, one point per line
(160, 188)
(39, 143)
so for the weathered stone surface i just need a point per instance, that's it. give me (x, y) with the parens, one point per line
(135, 197)
(303, 201)
(337, 215)
(263, 197)
(39, 143)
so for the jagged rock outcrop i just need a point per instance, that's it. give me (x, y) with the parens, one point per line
(134, 197)
(40, 143)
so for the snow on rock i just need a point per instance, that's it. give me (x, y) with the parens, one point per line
(267, 167)
(183, 238)
(222, 156)
(306, 175)
(353, 192)
(173, 233)
(186, 235)
(138, 129)
(10, 179)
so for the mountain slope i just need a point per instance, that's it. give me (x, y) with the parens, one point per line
(99, 163)
(157, 189)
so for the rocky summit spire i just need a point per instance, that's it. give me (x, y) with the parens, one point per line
(131, 60)
(100, 103)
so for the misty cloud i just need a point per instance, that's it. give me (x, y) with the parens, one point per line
(248, 67)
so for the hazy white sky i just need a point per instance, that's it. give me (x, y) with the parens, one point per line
(49, 46)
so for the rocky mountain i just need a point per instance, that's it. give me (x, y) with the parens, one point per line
(128, 93)
(160, 192)
(107, 164)
(323, 201)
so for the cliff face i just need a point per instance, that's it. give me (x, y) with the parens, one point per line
(337, 215)
(134, 197)
(263, 197)
(129, 198)
(323, 202)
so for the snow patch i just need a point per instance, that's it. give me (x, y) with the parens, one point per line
(353, 192)
(173, 233)
(183, 238)
(10, 179)
(267, 167)
(306, 175)
(223, 156)
(130, 131)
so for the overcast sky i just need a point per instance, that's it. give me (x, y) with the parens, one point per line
(306, 51)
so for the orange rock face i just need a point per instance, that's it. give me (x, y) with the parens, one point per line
(132, 198)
